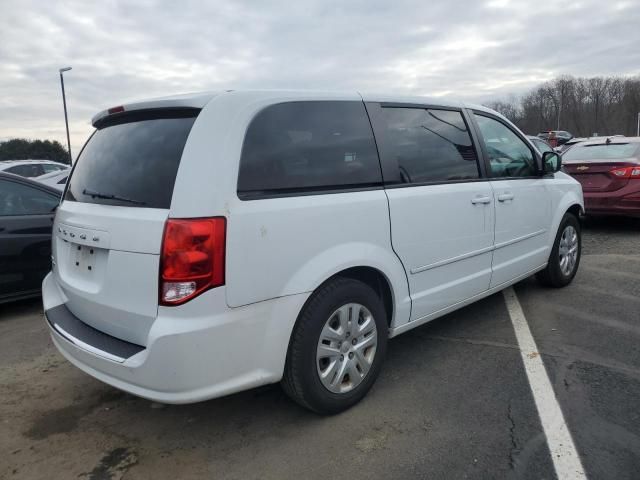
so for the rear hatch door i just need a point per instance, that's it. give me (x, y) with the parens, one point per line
(108, 229)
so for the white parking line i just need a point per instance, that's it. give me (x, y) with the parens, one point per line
(566, 460)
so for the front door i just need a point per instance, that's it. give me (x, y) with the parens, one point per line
(26, 219)
(522, 205)
(441, 211)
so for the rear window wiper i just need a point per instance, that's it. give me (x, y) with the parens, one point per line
(94, 194)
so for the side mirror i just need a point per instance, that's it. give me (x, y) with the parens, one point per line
(551, 162)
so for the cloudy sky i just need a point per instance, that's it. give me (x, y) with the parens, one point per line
(474, 49)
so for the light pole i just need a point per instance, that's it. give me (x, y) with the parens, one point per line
(638, 127)
(64, 103)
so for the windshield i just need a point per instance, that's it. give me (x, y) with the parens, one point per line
(132, 163)
(613, 151)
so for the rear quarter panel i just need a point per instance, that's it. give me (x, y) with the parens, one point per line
(285, 246)
(280, 246)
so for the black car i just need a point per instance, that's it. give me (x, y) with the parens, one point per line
(27, 209)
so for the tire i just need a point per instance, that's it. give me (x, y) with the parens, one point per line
(322, 316)
(556, 274)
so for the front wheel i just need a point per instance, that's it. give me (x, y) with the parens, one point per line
(565, 254)
(337, 347)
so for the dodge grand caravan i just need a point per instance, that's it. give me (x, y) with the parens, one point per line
(211, 243)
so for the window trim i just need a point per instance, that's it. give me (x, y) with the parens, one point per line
(250, 195)
(304, 192)
(390, 170)
(485, 154)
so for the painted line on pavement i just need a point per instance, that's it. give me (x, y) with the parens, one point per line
(566, 460)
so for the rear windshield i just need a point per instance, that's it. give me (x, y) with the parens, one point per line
(612, 151)
(132, 160)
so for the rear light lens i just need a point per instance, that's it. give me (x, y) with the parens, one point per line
(626, 172)
(192, 258)
(113, 110)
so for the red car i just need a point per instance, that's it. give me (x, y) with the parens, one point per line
(609, 171)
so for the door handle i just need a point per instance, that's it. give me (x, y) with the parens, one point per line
(481, 199)
(503, 197)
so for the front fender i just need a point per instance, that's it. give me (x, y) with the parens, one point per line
(563, 200)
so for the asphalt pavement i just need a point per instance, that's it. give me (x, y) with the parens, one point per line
(453, 400)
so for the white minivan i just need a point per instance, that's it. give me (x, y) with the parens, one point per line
(210, 243)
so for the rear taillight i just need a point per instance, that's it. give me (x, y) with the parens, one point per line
(192, 258)
(113, 110)
(626, 172)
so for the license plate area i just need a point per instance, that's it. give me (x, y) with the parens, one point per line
(81, 266)
(83, 258)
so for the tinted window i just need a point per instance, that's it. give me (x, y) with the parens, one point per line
(19, 199)
(135, 160)
(603, 151)
(508, 154)
(428, 145)
(297, 146)
(27, 170)
(542, 146)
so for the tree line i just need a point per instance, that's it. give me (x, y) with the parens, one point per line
(21, 149)
(582, 106)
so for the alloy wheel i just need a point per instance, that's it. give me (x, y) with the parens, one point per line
(346, 348)
(568, 250)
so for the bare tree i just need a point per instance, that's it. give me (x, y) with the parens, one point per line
(583, 106)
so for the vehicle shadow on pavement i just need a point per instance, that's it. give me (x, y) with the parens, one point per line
(611, 225)
(15, 310)
(407, 416)
(610, 235)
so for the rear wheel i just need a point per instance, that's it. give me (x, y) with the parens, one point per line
(337, 347)
(565, 254)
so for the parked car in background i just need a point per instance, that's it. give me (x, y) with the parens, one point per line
(609, 171)
(540, 144)
(214, 242)
(31, 168)
(561, 136)
(570, 143)
(566, 146)
(26, 217)
(57, 180)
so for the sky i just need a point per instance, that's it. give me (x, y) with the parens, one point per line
(475, 50)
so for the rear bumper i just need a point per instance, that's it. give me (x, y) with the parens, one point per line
(189, 357)
(625, 201)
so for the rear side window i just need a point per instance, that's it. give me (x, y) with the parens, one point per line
(428, 145)
(133, 160)
(308, 146)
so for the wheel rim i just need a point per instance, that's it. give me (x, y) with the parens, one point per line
(568, 250)
(346, 348)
